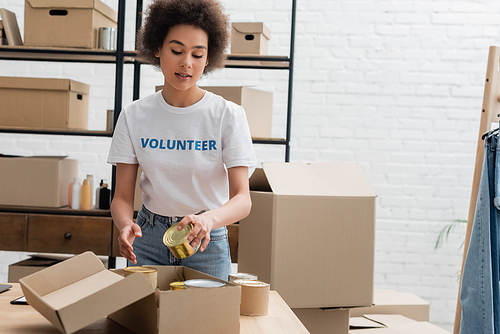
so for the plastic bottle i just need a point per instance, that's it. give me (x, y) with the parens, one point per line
(104, 196)
(76, 192)
(90, 177)
(86, 198)
(70, 194)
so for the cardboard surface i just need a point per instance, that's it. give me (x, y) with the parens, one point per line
(394, 302)
(73, 23)
(27, 267)
(77, 292)
(321, 321)
(217, 310)
(319, 219)
(249, 38)
(43, 103)
(36, 181)
(11, 27)
(392, 324)
(258, 105)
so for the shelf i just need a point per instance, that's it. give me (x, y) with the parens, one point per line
(64, 132)
(59, 54)
(273, 141)
(54, 211)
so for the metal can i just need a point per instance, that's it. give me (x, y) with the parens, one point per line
(203, 283)
(150, 273)
(254, 297)
(177, 241)
(107, 38)
(177, 286)
(249, 277)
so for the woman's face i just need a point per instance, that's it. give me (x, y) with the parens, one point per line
(183, 56)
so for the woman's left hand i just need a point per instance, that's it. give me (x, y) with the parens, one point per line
(202, 225)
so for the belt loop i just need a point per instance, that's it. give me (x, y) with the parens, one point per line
(151, 219)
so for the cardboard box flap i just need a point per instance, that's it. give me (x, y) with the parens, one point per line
(315, 179)
(95, 4)
(402, 324)
(44, 84)
(252, 28)
(363, 323)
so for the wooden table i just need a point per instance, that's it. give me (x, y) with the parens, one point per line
(23, 319)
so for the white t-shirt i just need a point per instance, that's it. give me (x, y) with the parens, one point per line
(184, 152)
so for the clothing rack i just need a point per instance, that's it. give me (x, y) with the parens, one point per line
(489, 114)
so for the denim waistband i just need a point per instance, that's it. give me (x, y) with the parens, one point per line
(164, 219)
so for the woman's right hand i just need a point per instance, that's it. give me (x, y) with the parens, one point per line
(126, 239)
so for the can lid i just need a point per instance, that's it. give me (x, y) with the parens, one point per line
(174, 238)
(177, 284)
(144, 270)
(247, 282)
(203, 283)
(235, 276)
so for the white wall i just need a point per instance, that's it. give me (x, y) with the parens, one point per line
(394, 85)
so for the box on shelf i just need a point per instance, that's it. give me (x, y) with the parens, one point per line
(39, 262)
(77, 292)
(311, 233)
(44, 103)
(394, 302)
(73, 23)
(36, 181)
(391, 324)
(324, 321)
(249, 38)
(215, 310)
(258, 105)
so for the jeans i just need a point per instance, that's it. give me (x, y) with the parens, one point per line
(150, 249)
(479, 295)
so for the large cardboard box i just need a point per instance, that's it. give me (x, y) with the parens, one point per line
(324, 321)
(215, 310)
(258, 105)
(72, 23)
(77, 292)
(395, 302)
(391, 324)
(249, 38)
(43, 103)
(36, 181)
(311, 233)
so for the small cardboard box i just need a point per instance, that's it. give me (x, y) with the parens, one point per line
(39, 262)
(72, 23)
(210, 310)
(258, 105)
(43, 103)
(394, 302)
(249, 38)
(36, 181)
(77, 292)
(311, 233)
(324, 321)
(392, 324)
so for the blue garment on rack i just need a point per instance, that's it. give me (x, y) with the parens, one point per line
(479, 294)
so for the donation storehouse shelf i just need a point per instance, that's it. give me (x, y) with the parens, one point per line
(119, 58)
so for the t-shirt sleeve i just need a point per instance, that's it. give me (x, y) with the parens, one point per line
(237, 146)
(122, 149)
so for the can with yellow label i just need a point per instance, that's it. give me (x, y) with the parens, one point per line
(177, 241)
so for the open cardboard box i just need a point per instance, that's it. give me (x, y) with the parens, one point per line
(324, 321)
(77, 292)
(215, 310)
(391, 324)
(311, 233)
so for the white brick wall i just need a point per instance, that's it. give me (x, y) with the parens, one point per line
(394, 85)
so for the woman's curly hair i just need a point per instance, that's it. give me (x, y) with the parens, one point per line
(207, 15)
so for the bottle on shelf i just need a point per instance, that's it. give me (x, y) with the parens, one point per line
(103, 194)
(76, 192)
(86, 198)
(90, 177)
(70, 194)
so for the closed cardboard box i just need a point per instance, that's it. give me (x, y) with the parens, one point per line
(62, 23)
(395, 302)
(391, 324)
(311, 233)
(324, 321)
(258, 105)
(36, 181)
(43, 103)
(249, 38)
